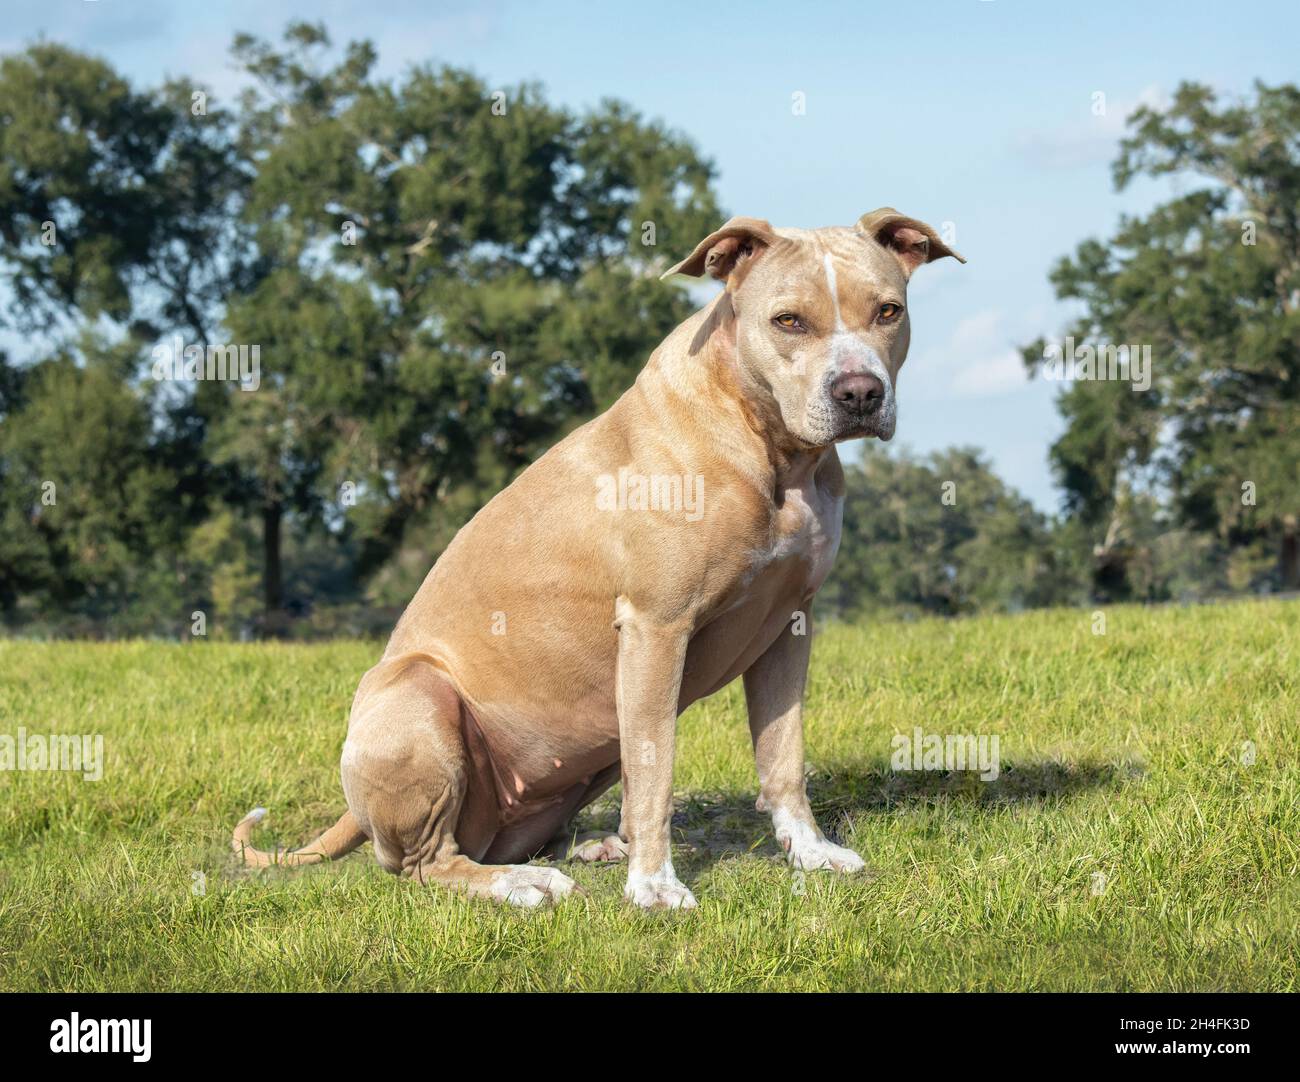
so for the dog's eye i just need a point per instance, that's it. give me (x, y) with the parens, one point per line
(788, 320)
(889, 310)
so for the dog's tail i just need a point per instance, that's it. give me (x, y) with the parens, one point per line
(342, 837)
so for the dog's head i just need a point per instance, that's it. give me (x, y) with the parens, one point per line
(819, 318)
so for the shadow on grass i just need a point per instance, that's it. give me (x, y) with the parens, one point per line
(710, 826)
(851, 790)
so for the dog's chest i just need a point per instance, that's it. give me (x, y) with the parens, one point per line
(778, 579)
(804, 537)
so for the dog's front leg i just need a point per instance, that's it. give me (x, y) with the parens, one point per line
(774, 687)
(650, 658)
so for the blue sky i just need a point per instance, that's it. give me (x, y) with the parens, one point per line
(974, 112)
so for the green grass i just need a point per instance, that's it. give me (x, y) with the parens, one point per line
(1121, 753)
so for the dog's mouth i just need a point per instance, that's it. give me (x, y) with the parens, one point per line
(879, 423)
(829, 422)
(854, 417)
(880, 427)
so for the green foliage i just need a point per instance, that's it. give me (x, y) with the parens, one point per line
(463, 258)
(225, 556)
(113, 202)
(89, 515)
(440, 279)
(1211, 282)
(940, 534)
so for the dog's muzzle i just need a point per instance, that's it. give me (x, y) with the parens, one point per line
(858, 394)
(863, 405)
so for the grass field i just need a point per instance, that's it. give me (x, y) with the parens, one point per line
(1130, 842)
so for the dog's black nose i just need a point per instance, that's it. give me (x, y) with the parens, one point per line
(859, 392)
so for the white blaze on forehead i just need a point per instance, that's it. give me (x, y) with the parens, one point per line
(850, 352)
(835, 297)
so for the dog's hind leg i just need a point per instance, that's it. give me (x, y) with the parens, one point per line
(410, 786)
(596, 845)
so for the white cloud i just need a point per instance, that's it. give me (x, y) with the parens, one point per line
(1001, 372)
(1087, 139)
(980, 359)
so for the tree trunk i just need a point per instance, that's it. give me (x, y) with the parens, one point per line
(1110, 564)
(273, 618)
(1290, 555)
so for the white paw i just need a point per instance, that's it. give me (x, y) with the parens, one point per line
(525, 885)
(609, 847)
(660, 890)
(824, 855)
(806, 848)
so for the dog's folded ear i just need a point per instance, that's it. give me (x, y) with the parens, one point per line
(912, 241)
(725, 249)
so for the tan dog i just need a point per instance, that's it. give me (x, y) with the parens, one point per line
(644, 562)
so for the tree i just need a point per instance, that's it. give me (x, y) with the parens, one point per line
(941, 535)
(459, 279)
(113, 203)
(439, 279)
(1210, 281)
(91, 524)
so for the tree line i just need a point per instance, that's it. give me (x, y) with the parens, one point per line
(442, 278)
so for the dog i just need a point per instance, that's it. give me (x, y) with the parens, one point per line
(664, 548)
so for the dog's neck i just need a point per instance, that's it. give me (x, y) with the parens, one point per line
(698, 365)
